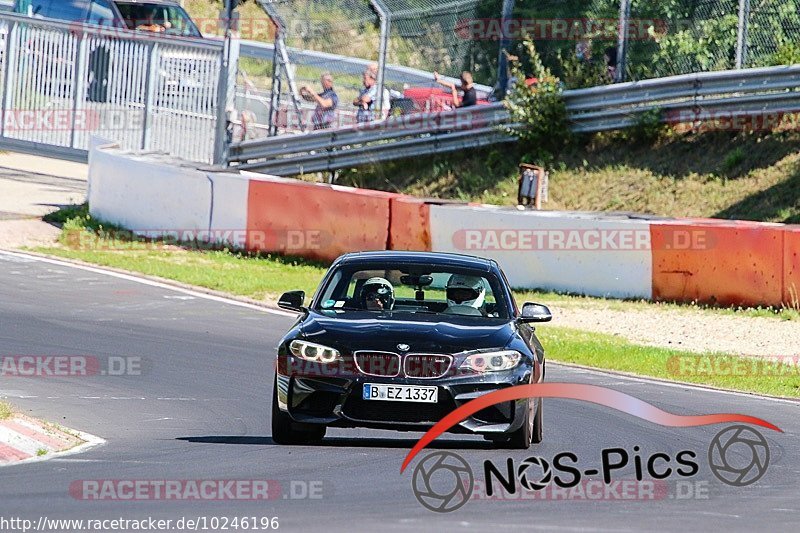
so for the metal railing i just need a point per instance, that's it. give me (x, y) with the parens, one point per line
(680, 99)
(63, 82)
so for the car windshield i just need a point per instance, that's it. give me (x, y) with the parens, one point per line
(414, 289)
(158, 17)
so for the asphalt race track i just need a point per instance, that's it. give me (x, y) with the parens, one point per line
(200, 410)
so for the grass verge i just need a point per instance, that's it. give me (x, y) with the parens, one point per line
(749, 176)
(608, 352)
(5, 410)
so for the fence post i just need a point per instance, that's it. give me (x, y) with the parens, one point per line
(741, 37)
(502, 60)
(10, 67)
(386, 23)
(151, 87)
(226, 94)
(622, 40)
(78, 85)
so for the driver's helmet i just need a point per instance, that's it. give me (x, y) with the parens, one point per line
(377, 294)
(466, 290)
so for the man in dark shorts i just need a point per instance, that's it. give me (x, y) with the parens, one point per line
(327, 101)
(469, 98)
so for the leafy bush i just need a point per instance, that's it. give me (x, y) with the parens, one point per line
(538, 109)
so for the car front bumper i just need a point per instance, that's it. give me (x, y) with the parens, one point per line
(337, 401)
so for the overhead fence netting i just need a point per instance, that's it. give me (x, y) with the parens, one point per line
(327, 27)
(686, 36)
(773, 36)
(435, 35)
(424, 34)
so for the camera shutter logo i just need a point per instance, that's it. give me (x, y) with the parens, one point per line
(738, 456)
(443, 482)
(527, 473)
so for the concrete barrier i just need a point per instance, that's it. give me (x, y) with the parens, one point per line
(228, 216)
(554, 251)
(791, 266)
(703, 260)
(147, 193)
(314, 220)
(410, 224)
(718, 262)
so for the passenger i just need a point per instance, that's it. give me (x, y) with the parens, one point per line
(465, 295)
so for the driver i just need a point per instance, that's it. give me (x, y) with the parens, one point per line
(377, 294)
(465, 295)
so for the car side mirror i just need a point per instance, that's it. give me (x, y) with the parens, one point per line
(532, 312)
(292, 300)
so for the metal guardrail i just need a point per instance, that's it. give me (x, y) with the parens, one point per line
(64, 82)
(681, 99)
(346, 64)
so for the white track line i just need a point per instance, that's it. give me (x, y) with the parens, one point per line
(673, 384)
(152, 283)
(229, 301)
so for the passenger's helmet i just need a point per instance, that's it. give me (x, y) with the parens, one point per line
(465, 290)
(377, 289)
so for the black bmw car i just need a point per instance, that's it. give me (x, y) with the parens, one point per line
(396, 340)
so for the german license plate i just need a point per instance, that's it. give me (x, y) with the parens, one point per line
(401, 393)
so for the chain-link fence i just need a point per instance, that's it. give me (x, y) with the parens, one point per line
(680, 36)
(578, 39)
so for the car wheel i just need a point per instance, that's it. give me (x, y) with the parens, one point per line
(521, 439)
(287, 431)
(537, 423)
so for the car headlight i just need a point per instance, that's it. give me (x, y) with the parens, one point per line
(492, 361)
(313, 352)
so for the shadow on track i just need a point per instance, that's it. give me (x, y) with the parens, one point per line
(344, 442)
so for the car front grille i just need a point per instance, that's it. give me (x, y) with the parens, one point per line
(384, 364)
(388, 364)
(426, 366)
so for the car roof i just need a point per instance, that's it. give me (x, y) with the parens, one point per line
(442, 258)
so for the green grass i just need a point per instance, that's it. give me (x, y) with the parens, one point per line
(5, 411)
(41, 452)
(749, 176)
(598, 350)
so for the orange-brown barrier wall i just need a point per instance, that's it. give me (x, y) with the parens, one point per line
(315, 221)
(410, 227)
(791, 266)
(720, 262)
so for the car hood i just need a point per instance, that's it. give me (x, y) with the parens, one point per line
(350, 331)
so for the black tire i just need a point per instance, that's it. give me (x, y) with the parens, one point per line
(287, 431)
(537, 423)
(521, 439)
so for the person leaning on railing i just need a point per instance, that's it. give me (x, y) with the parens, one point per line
(470, 97)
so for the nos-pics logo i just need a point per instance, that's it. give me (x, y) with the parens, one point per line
(444, 482)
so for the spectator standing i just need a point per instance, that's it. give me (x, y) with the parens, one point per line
(610, 58)
(365, 102)
(327, 102)
(470, 97)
